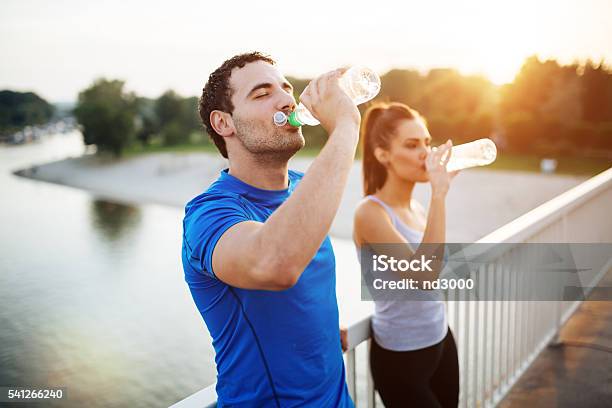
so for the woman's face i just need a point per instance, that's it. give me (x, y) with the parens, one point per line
(408, 150)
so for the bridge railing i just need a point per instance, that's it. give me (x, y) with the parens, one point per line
(498, 339)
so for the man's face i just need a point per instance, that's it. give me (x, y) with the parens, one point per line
(260, 90)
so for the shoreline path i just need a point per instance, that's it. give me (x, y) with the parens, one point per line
(479, 200)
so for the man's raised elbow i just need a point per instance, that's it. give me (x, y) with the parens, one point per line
(286, 282)
(280, 275)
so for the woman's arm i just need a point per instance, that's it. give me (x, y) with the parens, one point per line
(372, 225)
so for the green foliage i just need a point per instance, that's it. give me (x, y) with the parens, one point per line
(19, 109)
(147, 124)
(557, 109)
(457, 107)
(597, 93)
(177, 117)
(521, 129)
(547, 109)
(399, 85)
(107, 115)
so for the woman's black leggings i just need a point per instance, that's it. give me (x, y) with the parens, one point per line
(426, 377)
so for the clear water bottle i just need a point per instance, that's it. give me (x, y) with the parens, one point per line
(360, 84)
(477, 153)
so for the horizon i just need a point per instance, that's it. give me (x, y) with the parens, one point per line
(156, 47)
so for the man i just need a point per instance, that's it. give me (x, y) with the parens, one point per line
(256, 254)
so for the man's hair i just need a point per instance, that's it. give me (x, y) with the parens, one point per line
(217, 93)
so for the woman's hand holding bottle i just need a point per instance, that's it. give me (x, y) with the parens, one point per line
(435, 163)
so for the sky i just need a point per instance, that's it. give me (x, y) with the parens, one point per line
(58, 48)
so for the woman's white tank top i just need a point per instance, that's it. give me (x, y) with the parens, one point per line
(403, 325)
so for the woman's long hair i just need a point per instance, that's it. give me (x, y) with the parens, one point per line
(379, 124)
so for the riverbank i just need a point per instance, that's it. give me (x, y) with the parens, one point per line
(479, 201)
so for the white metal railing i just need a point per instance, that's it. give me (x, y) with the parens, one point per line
(498, 339)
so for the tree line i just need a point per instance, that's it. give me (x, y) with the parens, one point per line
(113, 119)
(20, 109)
(549, 108)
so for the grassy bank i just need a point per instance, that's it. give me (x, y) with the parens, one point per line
(505, 161)
(565, 165)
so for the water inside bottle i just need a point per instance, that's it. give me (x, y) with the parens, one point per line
(477, 153)
(360, 84)
(464, 163)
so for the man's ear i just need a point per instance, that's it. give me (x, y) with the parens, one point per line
(382, 156)
(222, 122)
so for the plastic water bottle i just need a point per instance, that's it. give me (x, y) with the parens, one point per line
(360, 84)
(477, 153)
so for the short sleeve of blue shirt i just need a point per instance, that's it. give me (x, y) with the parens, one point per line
(206, 220)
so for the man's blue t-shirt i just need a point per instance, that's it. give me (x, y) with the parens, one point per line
(273, 348)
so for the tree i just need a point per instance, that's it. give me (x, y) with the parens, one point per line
(168, 108)
(19, 109)
(107, 114)
(177, 117)
(400, 85)
(596, 93)
(532, 87)
(551, 108)
(146, 120)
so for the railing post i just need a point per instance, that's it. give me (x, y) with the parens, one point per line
(371, 392)
(351, 379)
(556, 340)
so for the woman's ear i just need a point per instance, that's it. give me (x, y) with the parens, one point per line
(382, 156)
(222, 123)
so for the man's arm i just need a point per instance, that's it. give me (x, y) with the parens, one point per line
(272, 255)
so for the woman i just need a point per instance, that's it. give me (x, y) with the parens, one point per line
(413, 356)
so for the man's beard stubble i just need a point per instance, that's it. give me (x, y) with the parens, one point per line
(269, 143)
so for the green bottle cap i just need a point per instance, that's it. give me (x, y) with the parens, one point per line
(293, 120)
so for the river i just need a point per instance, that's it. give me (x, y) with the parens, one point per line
(92, 296)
